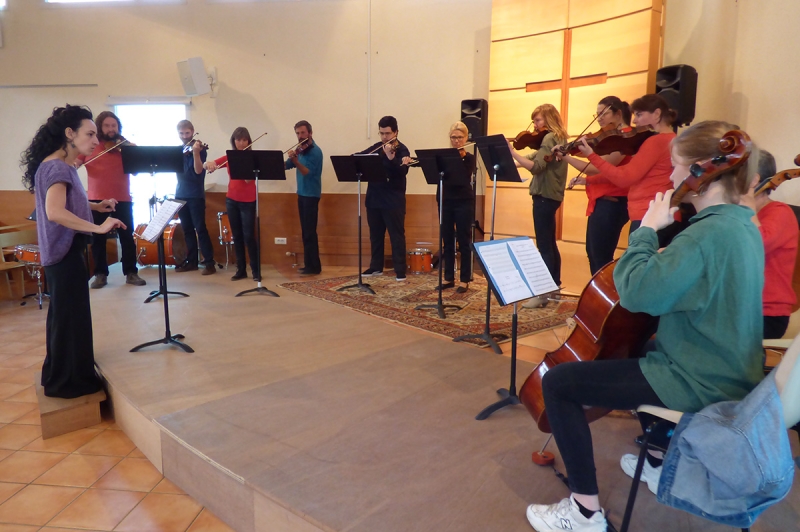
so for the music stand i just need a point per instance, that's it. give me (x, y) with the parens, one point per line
(357, 169)
(440, 166)
(153, 160)
(258, 165)
(497, 156)
(156, 227)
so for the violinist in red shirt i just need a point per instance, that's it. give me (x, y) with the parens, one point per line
(779, 230)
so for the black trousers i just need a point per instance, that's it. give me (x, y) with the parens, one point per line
(242, 217)
(457, 218)
(544, 226)
(308, 207)
(603, 228)
(380, 221)
(615, 384)
(68, 369)
(775, 327)
(123, 213)
(193, 219)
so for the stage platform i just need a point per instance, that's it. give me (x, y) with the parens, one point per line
(295, 414)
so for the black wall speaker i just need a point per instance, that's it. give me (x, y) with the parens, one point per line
(678, 85)
(475, 114)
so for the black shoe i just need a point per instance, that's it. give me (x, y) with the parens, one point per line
(462, 289)
(302, 271)
(306, 271)
(257, 277)
(446, 285)
(639, 440)
(239, 275)
(370, 271)
(186, 267)
(209, 269)
(400, 277)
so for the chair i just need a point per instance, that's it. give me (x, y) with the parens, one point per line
(11, 240)
(787, 380)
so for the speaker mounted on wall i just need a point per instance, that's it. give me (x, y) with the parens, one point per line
(194, 77)
(475, 115)
(677, 84)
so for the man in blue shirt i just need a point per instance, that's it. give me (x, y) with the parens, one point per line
(191, 189)
(306, 158)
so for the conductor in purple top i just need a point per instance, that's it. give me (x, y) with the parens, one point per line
(64, 224)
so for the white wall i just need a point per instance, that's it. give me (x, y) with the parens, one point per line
(747, 62)
(277, 62)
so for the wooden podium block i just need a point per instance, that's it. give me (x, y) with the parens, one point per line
(60, 416)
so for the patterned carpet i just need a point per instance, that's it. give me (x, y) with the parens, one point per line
(396, 301)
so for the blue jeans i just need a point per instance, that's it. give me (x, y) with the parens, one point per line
(603, 229)
(544, 226)
(193, 219)
(242, 216)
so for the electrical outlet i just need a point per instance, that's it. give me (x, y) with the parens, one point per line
(280, 240)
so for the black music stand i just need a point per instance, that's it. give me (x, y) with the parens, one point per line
(440, 166)
(154, 160)
(169, 338)
(357, 169)
(258, 165)
(496, 156)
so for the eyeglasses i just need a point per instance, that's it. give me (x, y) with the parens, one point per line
(460, 137)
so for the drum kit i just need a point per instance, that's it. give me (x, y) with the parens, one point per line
(30, 256)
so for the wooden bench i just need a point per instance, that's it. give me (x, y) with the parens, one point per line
(10, 240)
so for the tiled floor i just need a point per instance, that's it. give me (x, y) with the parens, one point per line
(92, 479)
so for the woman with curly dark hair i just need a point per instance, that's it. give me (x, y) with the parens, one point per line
(64, 223)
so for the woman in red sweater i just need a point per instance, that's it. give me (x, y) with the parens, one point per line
(608, 203)
(779, 230)
(241, 206)
(649, 170)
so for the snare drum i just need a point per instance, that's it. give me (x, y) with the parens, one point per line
(28, 253)
(225, 233)
(419, 260)
(174, 246)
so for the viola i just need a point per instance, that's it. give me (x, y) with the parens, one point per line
(735, 148)
(604, 330)
(771, 183)
(610, 139)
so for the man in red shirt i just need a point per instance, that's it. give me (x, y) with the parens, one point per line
(107, 180)
(779, 229)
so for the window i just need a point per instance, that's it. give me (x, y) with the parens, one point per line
(150, 125)
(2, 4)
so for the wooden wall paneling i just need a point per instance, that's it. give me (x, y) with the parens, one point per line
(510, 111)
(583, 100)
(616, 46)
(656, 52)
(516, 18)
(573, 228)
(582, 12)
(513, 215)
(16, 206)
(516, 62)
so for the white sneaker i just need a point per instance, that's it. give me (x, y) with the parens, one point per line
(564, 515)
(650, 474)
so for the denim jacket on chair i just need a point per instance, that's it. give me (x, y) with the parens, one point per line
(730, 461)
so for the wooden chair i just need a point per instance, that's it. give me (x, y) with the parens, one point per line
(13, 268)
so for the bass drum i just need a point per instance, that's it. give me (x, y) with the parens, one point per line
(174, 246)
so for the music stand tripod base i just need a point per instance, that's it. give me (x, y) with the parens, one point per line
(173, 339)
(364, 287)
(258, 290)
(155, 293)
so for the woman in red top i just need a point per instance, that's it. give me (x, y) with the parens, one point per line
(649, 170)
(241, 206)
(779, 230)
(608, 203)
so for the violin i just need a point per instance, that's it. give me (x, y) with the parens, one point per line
(303, 146)
(109, 145)
(626, 140)
(771, 183)
(188, 147)
(735, 146)
(392, 143)
(529, 139)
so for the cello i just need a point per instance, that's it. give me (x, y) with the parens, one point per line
(604, 329)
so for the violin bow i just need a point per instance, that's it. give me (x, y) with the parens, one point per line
(117, 145)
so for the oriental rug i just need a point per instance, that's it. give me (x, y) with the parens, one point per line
(396, 301)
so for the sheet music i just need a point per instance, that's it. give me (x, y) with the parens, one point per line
(533, 267)
(165, 213)
(505, 275)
